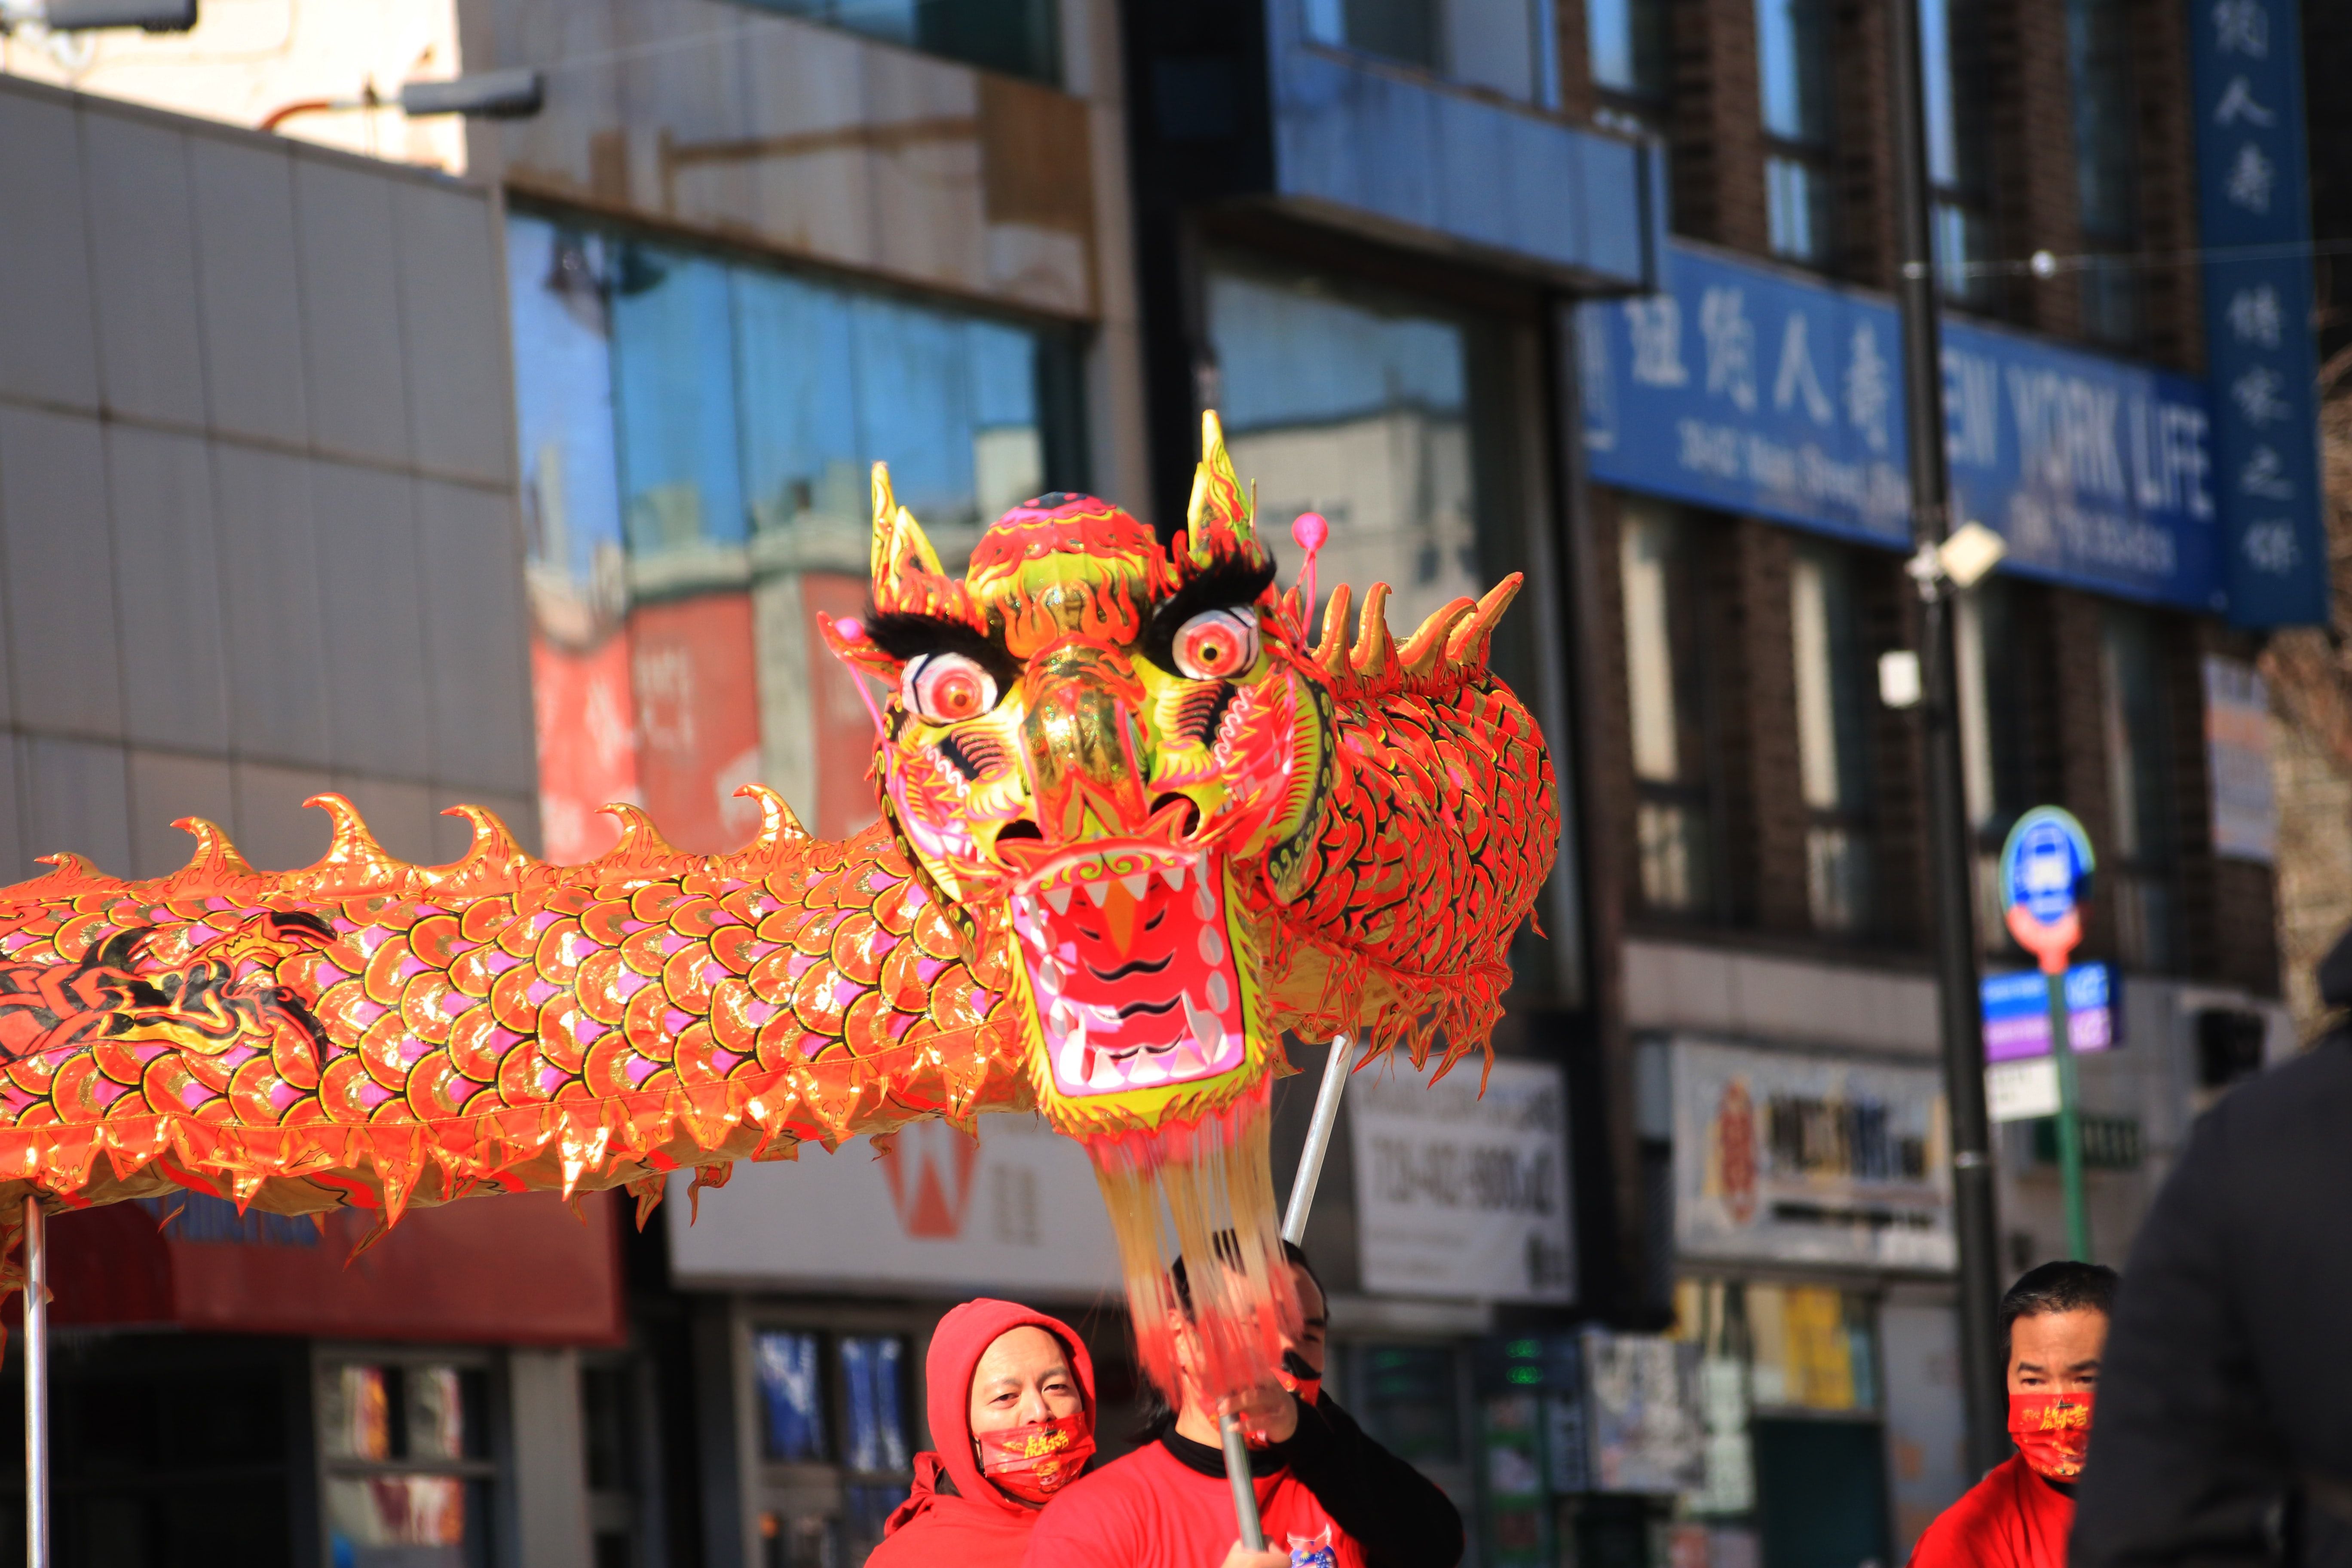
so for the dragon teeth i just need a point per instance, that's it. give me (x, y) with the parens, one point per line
(1060, 898)
(1175, 875)
(1100, 892)
(1136, 885)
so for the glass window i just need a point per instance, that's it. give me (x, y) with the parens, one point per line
(1019, 38)
(2106, 173)
(2138, 732)
(1832, 748)
(1501, 44)
(1951, 60)
(1395, 418)
(697, 434)
(612, 1415)
(405, 1446)
(1357, 406)
(1669, 707)
(792, 1397)
(1626, 41)
(834, 1435)
(674, 401)
(1793, 57)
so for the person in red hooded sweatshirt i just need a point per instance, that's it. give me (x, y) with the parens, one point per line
(1011, 1396)
(2054, 1321)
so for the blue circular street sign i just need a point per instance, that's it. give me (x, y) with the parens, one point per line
(2044, 864)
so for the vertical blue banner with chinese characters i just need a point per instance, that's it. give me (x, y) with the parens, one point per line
(2255, 225)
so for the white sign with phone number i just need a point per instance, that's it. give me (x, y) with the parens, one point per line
(1459, 1196)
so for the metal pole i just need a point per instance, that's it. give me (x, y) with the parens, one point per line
(1952, 846)
(1237, 1476)
(37, 1386)
(1294, 1226)
(1318, 1139)
(2070, 1124)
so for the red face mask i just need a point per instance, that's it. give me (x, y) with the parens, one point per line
(1035, 1461)
(2053, 1431)
(1298, 1377)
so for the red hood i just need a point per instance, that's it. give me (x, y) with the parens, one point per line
(962, 1337)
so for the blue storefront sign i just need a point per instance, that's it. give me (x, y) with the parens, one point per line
(2255, 219)
(1747, 389)
(2017, 1012)
(1744, 388)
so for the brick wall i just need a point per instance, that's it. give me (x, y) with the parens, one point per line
(2031, 130)
(2167, 194)
(1713, 125)
(1865, 162)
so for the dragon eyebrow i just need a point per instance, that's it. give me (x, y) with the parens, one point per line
(904, 636)
(1228, 583)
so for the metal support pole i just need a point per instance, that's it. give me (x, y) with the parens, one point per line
(1336, 1075)
(1294, 1226)
(1952, 845)
(2070, 1123)
(37, 1386)
(1237, 1475)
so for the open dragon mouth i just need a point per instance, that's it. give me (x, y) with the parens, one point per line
(1131, 965)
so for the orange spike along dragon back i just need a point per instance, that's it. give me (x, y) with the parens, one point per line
(1134, 828)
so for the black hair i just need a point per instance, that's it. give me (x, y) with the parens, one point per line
(1228, 1247)
(1159, 1416)
(2060, 1287)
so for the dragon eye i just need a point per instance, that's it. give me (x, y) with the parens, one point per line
(1216, 643)
(947, 687)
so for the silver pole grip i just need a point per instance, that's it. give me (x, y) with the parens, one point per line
(1237, 1476)
(1336, 1075)
(37, 1386)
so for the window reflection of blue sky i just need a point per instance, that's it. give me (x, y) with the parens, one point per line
(1356, 409)
(563, 413)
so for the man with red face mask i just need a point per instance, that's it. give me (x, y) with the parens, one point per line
(1328, 1495)
(1011, 1397)
(2055, 1320)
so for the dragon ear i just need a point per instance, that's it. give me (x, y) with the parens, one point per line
(1220, 521)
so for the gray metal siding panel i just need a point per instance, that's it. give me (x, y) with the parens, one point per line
(79, 800)
(144, 268)
(453, 320)
(276, 637)
(351, 311)
(62, 630)
(44, 305)
(167, 581)
(251, 289)
(365, 523)
(476, 645)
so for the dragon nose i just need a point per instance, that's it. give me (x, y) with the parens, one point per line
(1083, 746)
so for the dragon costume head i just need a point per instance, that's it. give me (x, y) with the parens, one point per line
(1137, 830)
(1093, 741)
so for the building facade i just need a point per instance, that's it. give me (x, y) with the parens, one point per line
(1586, 289)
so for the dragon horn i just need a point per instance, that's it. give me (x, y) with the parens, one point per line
(907, 577)
(902, 555)
(1220, 520)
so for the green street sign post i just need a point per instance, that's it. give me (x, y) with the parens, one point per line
(2045, 879)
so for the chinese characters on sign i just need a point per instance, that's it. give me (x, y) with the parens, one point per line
(1744, 388)
(2255, 228)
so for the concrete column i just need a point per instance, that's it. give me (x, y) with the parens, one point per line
(550, 1458)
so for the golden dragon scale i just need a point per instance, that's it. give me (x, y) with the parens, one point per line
(1135, 827)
